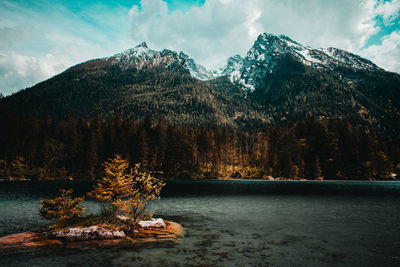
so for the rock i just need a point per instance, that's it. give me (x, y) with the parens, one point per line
(119, 234)
(88, 233)
(154, 223)
(269, 178)
(27, 240)
(171, 232)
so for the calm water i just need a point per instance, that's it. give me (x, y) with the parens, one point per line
(238, 223)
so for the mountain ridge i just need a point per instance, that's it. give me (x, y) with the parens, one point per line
(278, 80)
(268, 47)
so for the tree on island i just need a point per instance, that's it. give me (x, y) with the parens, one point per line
(114, 185)
(144, 188)
(122, 191)
(61, 208)
(126, 191)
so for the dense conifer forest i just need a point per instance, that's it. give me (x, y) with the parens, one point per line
(74, 148)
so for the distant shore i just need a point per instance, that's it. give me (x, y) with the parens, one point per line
(217, 179)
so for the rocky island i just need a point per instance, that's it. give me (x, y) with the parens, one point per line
(124, 194)
(96, 236)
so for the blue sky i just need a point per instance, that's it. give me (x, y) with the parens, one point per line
(41, 38)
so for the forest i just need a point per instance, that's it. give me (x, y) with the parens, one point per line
(38, 148)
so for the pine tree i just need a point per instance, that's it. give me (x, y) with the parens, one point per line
(384, 165)
(3, 168)
(114, 185)
(54, 151)
(95, 143)
(144, 188)
(313, 167)
(18, 168)
(61, 208)
(124, 190)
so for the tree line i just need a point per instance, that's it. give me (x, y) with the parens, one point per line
(75, 148)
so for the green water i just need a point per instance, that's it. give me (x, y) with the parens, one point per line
(228, 226)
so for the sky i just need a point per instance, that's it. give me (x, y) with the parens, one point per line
(41, 38)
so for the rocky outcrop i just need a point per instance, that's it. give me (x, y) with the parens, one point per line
(24, 240)
(171, 232)
(78, 237)
(154, 223)
(88, 233)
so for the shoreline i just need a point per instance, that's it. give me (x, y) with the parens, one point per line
(211, 179)
(228, 187)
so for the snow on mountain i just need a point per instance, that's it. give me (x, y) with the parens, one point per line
(141, 56)
(248, 72)
(349, 58)
(232, 68)
(196, 70)
(268, 49)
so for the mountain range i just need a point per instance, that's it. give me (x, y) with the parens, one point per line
(278, 80)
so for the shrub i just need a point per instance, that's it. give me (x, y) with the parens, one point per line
(61, 208)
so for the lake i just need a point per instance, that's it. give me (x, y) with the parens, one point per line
(233, 223)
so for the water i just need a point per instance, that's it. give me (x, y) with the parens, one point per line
(234, 223)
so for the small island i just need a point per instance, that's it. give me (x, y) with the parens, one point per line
(124, 194)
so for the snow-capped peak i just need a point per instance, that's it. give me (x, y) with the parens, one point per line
(232, 68)
(249, 72)
(268, 45)
(142, 44)
(267, 51)
(143, 57)
(349, 59)
(196, 70)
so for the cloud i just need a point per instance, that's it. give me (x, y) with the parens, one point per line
(341, 23)
(388, 10)
(37, 44)
(17, 71)
(42, 38)
(12, 35)
(387, 53)
(222, 28)
(207, 33)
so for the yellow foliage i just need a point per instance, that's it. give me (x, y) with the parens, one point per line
(145, 188)
(127, 190)
(61, 208)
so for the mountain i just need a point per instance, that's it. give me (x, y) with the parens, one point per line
(266, 53)
(233, 69)
(142, 58)
(134, 84)
(196, 70)
(278, 80)
(292, 81)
